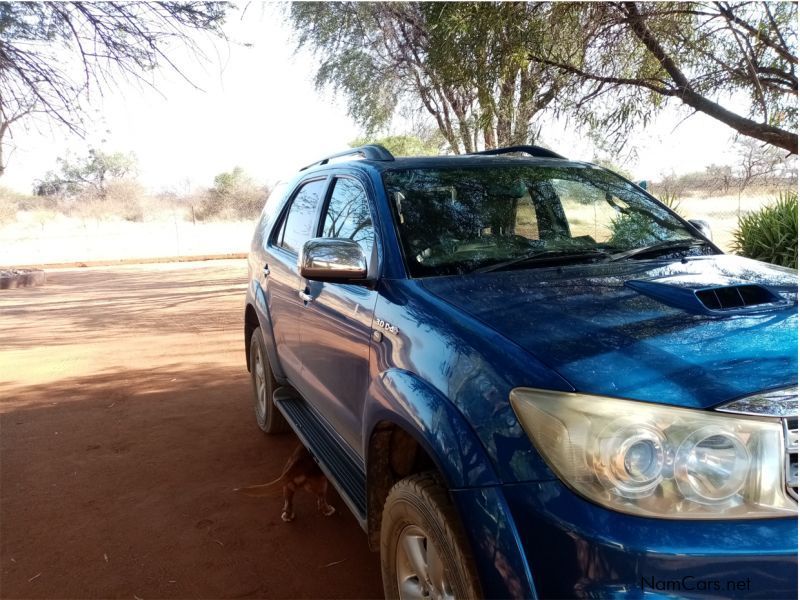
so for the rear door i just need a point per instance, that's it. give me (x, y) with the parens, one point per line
(337, 322)
(297, 225)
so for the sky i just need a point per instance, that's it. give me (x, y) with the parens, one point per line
(257, 108)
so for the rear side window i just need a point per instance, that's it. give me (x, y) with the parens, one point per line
(277, 194)
(348, 216)
(298, 227)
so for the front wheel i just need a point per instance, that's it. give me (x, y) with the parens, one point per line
(268, 417)
(424, 553)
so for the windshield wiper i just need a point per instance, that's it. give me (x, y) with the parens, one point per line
(669, 245)
(545, 256)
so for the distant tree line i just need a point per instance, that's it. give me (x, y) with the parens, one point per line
(102, 184)
(756, 167)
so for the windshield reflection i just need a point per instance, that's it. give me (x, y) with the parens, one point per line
(458, 220)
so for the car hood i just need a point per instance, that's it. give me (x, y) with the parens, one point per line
(638, 330)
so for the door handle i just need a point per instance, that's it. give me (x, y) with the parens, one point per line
(266, 270)
(304, 296)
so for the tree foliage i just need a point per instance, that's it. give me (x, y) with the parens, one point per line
(404, 145)
(233, 195)
(463, 64)
(52, 54)
(87, 176)
(626, 59)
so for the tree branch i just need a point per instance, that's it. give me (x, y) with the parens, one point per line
(761, 131)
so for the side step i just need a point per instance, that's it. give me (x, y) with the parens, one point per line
(343, 473)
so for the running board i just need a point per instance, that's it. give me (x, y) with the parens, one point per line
(342, 472)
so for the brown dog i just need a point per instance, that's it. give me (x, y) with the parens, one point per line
(301, 471)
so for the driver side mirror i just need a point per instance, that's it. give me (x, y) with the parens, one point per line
(333, 260)
(703, 227)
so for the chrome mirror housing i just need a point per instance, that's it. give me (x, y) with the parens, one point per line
(703, 227)
(332, 259)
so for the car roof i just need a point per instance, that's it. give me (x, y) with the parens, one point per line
(374, 157)
(466, 160)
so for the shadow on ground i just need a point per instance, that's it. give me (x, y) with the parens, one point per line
(118, 466)
(125, 301)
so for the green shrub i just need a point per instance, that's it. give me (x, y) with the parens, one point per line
(631, 230)
(770, 234)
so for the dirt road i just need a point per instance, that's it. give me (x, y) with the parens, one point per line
(125, 424)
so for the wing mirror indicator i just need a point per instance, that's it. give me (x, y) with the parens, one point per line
(333, 260)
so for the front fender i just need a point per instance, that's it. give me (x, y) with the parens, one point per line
(401, 398)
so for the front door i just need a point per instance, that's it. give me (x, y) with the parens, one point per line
(337, 322)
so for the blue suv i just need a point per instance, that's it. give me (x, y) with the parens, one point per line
(526, 377)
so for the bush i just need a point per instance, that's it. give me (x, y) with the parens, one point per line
(234, 196)
(770, 234)
(632, 230)
(122, 200)
(8, 212)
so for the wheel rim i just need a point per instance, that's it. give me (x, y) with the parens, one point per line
(261, 385)
(419, 567)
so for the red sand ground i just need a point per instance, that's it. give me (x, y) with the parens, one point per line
(125, 423)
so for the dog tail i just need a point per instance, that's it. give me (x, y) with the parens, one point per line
(265, 489)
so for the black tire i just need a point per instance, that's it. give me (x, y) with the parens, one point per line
(419, 517)
(268, 417)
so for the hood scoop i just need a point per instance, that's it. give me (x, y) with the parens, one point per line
(736, 296)
(704, 297)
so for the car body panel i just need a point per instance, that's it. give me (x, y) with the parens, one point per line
(257, 298)
(608, 339)
(285, 308)
(600, 553)
(496, 546)
(400, 398)
(335, 337)
(457, 356)
(439, 356)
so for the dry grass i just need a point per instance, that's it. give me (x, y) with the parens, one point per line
(38, 238)
(722, 213)
(128, 225)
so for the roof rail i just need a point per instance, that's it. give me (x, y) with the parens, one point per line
(532, 150)
(369, 152)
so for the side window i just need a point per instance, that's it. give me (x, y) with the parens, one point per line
(268, 215)
(348, 215)
(298, 227)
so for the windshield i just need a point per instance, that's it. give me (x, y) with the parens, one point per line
(466, 219)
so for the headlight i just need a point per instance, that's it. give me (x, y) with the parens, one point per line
(659, 461)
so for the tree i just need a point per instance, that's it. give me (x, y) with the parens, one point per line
(629, 58)
(720, 176)
(53, 54)
(756, 162)
(10, 113)
(404, 145)
(87, 176)
(464, 64)
(234, 194)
